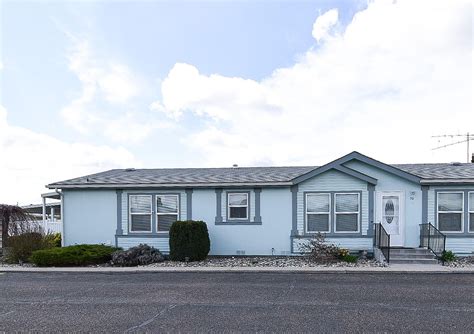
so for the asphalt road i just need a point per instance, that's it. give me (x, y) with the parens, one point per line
(230, 302)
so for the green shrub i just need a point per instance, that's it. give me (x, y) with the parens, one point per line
(77, 255)
(55, 239)
(189, 240)
(20, 247)
(349, 258)
(448, 256)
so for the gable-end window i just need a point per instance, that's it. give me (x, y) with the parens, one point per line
(347, 212)
(471, 211)
(167, 211)
(450, 211)
(238, 206)
(318, 208)
(140, 213)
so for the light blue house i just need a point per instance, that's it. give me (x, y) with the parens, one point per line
(271, 210)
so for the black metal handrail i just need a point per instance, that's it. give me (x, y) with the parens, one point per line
(433, 239)
(382, 241)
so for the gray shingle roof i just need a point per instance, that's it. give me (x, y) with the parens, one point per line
(444, 171)
(244, 175)
(165, 176)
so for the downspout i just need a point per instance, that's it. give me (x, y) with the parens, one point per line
(60, 193)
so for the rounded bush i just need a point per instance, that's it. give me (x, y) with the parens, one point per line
(189, 241)
(77, 255)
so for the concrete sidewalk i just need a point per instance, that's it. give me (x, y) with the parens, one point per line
(394, 268)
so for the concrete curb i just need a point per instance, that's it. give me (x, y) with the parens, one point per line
(394, 269)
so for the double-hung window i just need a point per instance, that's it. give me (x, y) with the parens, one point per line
(140, 213)
(347, 212)
(450, 211)
(471, 211)
(318, 212)
(238, 206)
(167, 211)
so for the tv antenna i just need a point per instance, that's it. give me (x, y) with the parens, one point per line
(467, 138)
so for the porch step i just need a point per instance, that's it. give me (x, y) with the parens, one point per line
(412, 256)
(410, 251)
(413, 261)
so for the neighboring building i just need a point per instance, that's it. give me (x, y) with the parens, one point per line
(269, 210)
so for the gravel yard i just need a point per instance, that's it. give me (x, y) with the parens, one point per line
(465, 261)
(245, 262)
(287, 261)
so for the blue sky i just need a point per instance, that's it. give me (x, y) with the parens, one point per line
(107, 84)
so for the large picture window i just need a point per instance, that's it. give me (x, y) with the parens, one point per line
(450, 211)
(347, 211)
(318, 212)
(167, 211)
(140, 213)
(471, 211)
(238, 206)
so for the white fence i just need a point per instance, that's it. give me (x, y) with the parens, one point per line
(50, 226)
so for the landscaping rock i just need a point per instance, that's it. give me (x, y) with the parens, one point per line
(139, 255)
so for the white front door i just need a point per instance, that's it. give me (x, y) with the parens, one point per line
(390, 212)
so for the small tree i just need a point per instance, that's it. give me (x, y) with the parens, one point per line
(14, 220)
(318, 250)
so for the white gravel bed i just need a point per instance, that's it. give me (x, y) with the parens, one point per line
(242, 262)
(290, 261)
(465, 261)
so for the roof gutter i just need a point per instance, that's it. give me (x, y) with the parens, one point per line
(165, 185)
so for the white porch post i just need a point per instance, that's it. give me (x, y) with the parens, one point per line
(52, 214)
(44, 211)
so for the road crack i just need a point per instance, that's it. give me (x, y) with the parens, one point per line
(149, 321)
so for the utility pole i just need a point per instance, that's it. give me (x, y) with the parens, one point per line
(468, 138)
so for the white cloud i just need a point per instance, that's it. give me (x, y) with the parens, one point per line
(30, 160)
(108, 89)
(397, 74)
(324, 23)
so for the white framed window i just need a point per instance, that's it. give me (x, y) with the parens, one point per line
(318, 212)
(450, 211)
(140, 213)
(238, 206)
(346, 212)
(471, 211)
(167, 212)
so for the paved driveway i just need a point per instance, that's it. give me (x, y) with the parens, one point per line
(247, 302)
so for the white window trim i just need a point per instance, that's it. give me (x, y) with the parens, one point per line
(165, 213)
(469, 211)
(346, 212)
(238, 206)
(318, 213)
(138, 214)
(461, 212)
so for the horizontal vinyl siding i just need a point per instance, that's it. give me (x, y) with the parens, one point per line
(160, 243)
(182, 204)
(353, 244)
(333, 181)
(460, 245)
